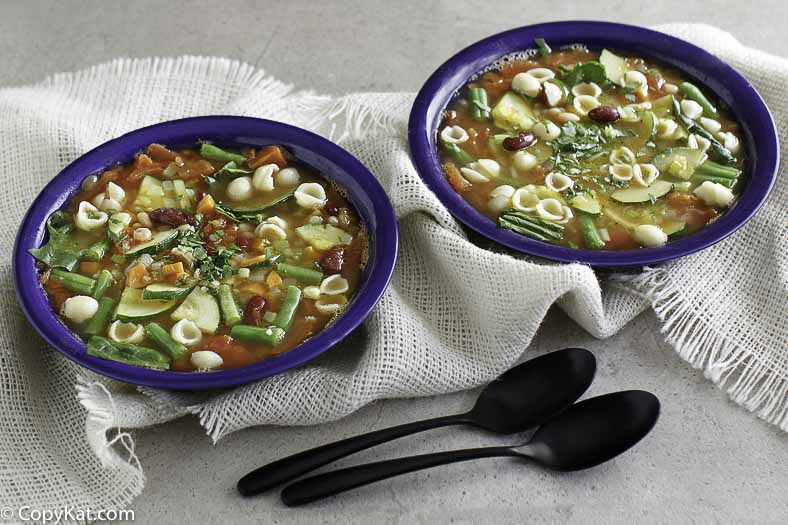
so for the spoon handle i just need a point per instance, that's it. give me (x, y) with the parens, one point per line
(324, 485)
(286, 469)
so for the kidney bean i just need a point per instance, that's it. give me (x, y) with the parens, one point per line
(244, 240)
(604, 114)
(522, 140)
(331, 262)
(255, 308)
(172, 217)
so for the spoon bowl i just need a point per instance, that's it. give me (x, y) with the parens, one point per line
(534, 391)
(594, 431)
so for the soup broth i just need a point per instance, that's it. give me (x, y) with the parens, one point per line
(202, 259)
(591, 150)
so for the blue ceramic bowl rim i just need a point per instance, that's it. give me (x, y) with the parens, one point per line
(365, 193)
(745, 103)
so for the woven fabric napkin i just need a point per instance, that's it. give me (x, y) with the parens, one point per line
(440, 326)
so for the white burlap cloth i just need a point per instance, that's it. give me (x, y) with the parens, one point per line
(455, 315)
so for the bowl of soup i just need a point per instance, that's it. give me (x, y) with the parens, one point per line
(593, 142)
(205, 252)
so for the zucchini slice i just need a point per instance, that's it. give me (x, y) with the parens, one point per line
(323, 236)
(634, 195)
(160, 241)
(587, 203)
(513, 112)
(615, 67)
(164, 292)
(201, 308)
(132, 307)
(679, 162)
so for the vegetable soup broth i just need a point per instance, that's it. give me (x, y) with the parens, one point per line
(529, 154)
(204, 258)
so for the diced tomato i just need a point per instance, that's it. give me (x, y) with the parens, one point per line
(619, 238)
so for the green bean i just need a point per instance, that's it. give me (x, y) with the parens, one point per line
(127, 353)
(271, 335)
(458, 154)
(717, 149)
(98, 323)
(480, 109)
(713, 169)
(305, 275)
(161, 338)
(589, 231)
(230, 312)
(74, 281)
(542, 46)
(96, 251)
(103, 282)
(728, 183)
(211, 152)
(284, 319)
(692, 91)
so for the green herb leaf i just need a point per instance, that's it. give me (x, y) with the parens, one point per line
(586, 72)
(62, 249)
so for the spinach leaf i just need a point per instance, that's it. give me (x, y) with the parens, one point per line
(62, 249)
(586, 72)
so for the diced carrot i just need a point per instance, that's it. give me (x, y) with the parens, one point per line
(138, 276)
(206, 205)
(681, 200)
(172, 269)
(89, 267)
(274, 280)
(269, 154)
(252, 260)
(456, 180)
(253, 288)
(161, 153)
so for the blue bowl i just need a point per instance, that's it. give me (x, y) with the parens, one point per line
(748, 108)
(331, 161)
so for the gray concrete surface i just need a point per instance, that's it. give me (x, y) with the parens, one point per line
(707, 461)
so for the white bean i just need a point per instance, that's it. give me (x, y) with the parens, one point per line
(80, 308)
(714, 194)
(524, 161)
(240, 189)
(649, 235)
(206, 360)
(142, 235)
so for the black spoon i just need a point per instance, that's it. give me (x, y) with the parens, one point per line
(586, 434)
(519, 399)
